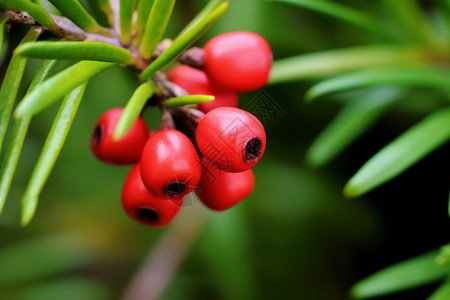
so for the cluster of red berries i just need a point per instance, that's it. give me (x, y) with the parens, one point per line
(216, 161)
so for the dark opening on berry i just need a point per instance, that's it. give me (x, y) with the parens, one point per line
(174, 189)
(253, 149)
(147, 215)
(97, 136)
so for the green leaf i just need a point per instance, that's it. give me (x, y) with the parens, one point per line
(134, 108)
(212, 4)
(50, 152)
(37, 258)
(444, 255)
(402, 153)
(183, 42)
(18, 134)
(187, 100)
(155, 26)
(125, 20)
(399, 76)
(77, 51)
(35, 11)
(143, 12)
(58, 86)
(357, 116)
(105, 7)
(442, 293)
(411, 273)
(333, 62)
(343, 13)
(73, 10)
(3, 20)
(11, 82)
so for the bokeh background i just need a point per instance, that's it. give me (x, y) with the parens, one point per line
(295, 237)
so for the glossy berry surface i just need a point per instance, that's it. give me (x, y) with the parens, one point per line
(220, 190)
(195, 82)
(238, 61)
(128, 149)
(170, 166)
(231, 139)
(144, 207)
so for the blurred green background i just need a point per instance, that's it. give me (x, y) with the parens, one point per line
(295, 237)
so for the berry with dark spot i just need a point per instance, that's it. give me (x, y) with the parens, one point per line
(170, 166)
(231, 139)
(126, 150)
(144, 207)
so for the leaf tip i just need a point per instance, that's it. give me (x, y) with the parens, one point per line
(350, 191)
(308, 98)
(28, 209)
(118, 134)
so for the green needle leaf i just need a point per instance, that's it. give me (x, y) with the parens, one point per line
(11, 82)
(212, 4)
(352, 121)
(442, 293)
(183, 42)
(187, 100)
(333, 62)
(57, 86)
(144, 8)
(417, 271)
(73, 10)
(133, 109)
(343, 13)
(155, 26)
(77, 51)
(35, 11)
(18, 134)
(105, 7)
(50, 152)
(444, 255)
(3, 20)
(402, 153)
(125, 20)
(400, 76)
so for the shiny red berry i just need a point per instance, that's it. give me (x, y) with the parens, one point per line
(239, 61)
(231, 139)
(128, 149)
(195, 82)
(220, 190)
(144, 207)
(170, 166)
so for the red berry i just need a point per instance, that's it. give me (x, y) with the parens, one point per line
(195, 82)
(219, 190)
(231, 139)
(170, 166)
(143, 206)
(128, 149)
(238, 61)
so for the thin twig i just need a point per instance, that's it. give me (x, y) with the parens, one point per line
(65, 28)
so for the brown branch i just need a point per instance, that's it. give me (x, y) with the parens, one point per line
(65, 28)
